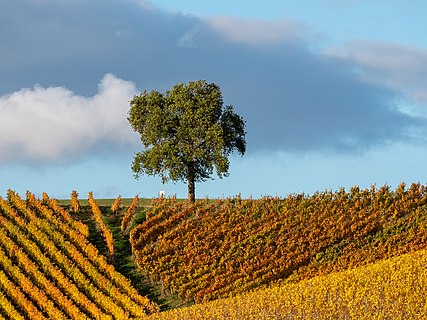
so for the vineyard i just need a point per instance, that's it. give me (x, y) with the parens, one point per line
(50, 270)
(394, 288)
(208, 250)
(356, 254)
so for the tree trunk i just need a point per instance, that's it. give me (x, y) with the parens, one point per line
(191, 183)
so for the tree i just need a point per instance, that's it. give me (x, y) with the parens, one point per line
(186, 133)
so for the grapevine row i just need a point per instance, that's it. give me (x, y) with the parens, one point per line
(116, 207)
(53, 204)
(49, 286)
(87, 270)
(209, 250)
(15, 293)
(43, 301)
(108, 235)
(75, 205)
(44, 255)
(8, 308)
(76, 258)
(394, 288)
(129, 215)
(98, 261)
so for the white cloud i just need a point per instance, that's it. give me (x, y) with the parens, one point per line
(54, 124)
(145, 4)
(400, 67)
(307, 101)
(257, 32)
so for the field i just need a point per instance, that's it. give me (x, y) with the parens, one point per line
(341, 255)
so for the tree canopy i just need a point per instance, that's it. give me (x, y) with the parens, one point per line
(187, 133)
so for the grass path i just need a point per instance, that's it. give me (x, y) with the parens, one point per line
(123, 260)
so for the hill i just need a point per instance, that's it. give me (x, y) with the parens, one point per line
(60, 264)
(394, 288)
(211, 250)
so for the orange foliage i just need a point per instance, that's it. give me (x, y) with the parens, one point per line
(108, 235)
(129, 215)
(48, 262)
(209, 250)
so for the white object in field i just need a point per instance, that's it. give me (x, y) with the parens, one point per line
(162, 194)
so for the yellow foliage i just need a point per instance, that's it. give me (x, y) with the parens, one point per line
(107, 233)
(117, 205)
(395, 288)
(75, 205)
(129, 215)
(211, 249)
(49, 270)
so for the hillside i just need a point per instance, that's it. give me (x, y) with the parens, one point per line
(394, 288)
(50, 270)
(213, 249)
(58, 264)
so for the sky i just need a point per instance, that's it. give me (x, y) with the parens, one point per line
(333, 92)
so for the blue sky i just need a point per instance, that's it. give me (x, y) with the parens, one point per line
(333, 91)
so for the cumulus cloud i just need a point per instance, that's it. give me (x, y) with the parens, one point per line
(53, 124)
(293, 98)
